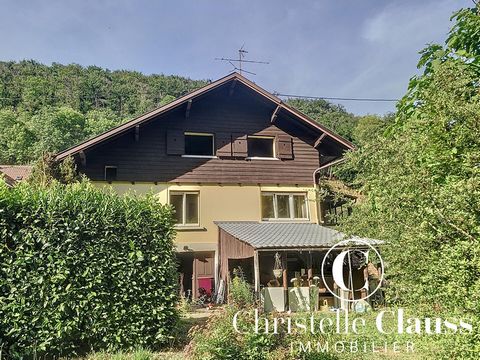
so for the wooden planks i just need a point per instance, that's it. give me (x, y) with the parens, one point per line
(156, 157)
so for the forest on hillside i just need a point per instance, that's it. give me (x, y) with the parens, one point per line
(47, 108)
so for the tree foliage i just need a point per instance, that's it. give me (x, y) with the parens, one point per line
(83, 269)
(49, 108)
(335, 117)
(421, 179)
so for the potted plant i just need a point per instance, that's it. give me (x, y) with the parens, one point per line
(277, 268)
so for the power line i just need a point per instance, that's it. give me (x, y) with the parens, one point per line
(333, 98)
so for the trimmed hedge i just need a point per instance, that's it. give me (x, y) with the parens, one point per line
(83, 269)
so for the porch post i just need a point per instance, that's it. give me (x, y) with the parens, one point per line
(285, 280)
(310, 268)
(256, 271)
(365, 292)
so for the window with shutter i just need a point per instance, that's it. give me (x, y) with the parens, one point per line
(199, 144)
(260, 147)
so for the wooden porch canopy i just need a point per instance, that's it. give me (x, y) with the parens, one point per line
(244, 239)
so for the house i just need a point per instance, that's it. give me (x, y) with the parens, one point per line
(13, 174)
(240, 168)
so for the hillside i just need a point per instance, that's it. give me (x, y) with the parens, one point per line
(49, 108)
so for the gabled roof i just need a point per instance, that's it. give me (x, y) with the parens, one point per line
(279, 235)
(184, 99)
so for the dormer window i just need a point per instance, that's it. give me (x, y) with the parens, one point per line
(199, 144)
(261, 147)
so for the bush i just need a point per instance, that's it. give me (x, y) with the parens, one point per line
(240, 292)
(218, 339)
(83, 269)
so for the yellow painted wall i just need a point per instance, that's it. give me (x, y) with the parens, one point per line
(217, 203)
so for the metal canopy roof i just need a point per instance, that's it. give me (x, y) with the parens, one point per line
(276, 235)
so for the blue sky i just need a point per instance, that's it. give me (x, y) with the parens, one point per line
(334, 48)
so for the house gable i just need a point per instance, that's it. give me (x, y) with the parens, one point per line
(230, 109)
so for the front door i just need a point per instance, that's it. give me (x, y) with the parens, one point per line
(203, 273)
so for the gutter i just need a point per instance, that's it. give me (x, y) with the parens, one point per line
(326, 166)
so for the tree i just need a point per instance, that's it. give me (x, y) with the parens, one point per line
(99, 121)
(56, 129)
(369, 127)
(16, 140)
(335, 117)
(421, 179)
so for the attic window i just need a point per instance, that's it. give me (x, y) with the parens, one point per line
(110, 173)
(199, 144)
(260, 147)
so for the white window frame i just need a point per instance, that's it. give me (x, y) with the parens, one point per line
(213, 156)
(184, 207)
(274, 157)
(291, 206)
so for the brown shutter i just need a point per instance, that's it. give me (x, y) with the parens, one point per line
(284, 147)
(239, 145)
(224, 144)
(175, 142)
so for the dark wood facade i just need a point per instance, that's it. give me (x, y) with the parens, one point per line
(151, 151)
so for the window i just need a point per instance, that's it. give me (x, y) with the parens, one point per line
(110, 173)
(186, 207)
(260, 146)
(199, 144)
(284, 206)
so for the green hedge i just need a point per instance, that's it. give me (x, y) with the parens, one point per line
(83, 269)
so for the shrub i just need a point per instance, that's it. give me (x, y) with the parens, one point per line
(84, 269)
(218, 339)
(240, 292)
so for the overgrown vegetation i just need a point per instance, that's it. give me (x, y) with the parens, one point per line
(421, 181)
(218, 339)
(84, 269)
(240, 292)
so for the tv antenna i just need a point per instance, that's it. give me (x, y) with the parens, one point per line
(241, 60)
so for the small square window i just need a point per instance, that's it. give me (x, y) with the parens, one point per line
(259, 146)
(199, 144)
(110, 173)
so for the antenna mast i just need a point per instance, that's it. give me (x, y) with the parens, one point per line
(241, 60)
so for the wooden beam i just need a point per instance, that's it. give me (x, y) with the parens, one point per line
(256, 271)
(284, 274)
(318, 142)
(189, 106)
(83, 158)
(285, 280)
(275, 113)
(137, 133)
(232, 87)
(310, 268)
